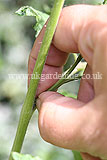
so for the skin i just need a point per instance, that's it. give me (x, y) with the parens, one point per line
(76, 124)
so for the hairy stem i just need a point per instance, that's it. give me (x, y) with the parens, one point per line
(27, 110)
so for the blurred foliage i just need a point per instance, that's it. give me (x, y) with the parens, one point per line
(16, 39)
(17, 156)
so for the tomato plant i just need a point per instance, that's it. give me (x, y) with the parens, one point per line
(28, 106)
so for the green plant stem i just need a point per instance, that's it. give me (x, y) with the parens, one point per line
(72, 79)
(27, 110)
(105, 1)
(77, 155)
(65, 76)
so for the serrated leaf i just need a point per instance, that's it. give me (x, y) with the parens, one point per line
(18, 156)
(41, 18)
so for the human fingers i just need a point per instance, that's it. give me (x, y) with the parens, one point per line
(86, 94)
(71, 124)
(86, 156)
(68, 31)
(56, 104)
(78, 29)
(86, 89)
(53, 66)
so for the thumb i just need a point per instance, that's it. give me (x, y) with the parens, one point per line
(65, 122)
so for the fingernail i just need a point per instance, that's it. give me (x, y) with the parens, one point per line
(38, 104)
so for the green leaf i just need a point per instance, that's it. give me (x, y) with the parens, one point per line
(18, 156)
(67, 94)
(41, 18)
(105, 2)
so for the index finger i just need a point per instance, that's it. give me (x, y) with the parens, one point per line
(76, 27)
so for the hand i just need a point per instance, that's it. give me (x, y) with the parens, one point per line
(76, 124)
